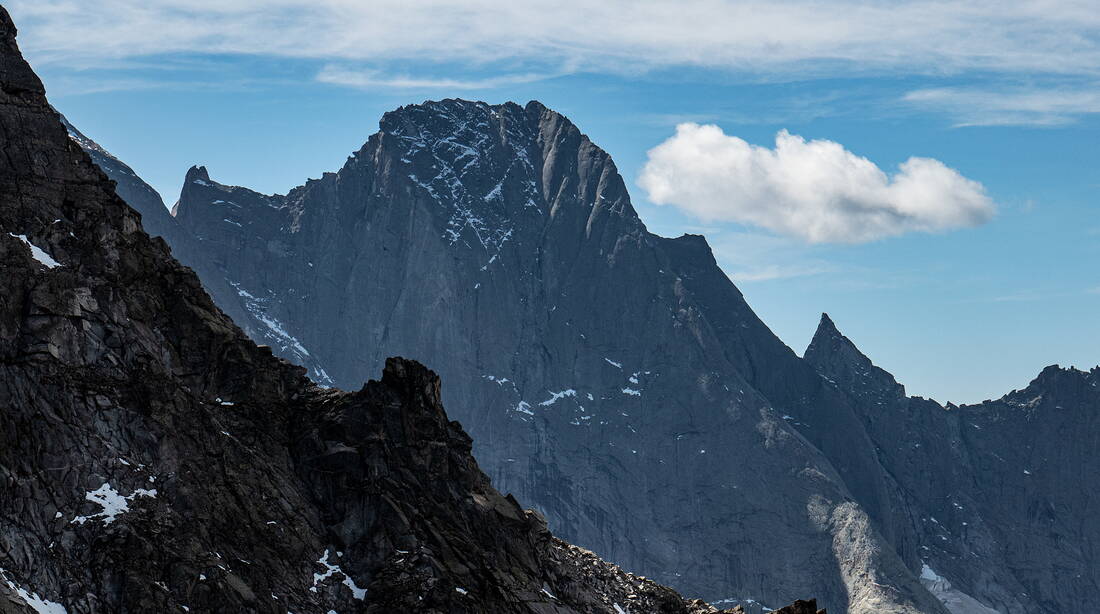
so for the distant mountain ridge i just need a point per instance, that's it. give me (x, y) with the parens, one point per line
(608, 374)
(993, 489)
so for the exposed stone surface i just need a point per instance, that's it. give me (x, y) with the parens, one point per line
(153, 459)
(607, 375)
(997, 517)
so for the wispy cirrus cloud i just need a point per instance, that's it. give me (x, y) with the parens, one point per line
(795, 37)
(369, 79)
(769, 272)
(496, 44)
(1013, 106)
(749, 257)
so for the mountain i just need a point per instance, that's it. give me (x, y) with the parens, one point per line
(993, 490)
(153, 459)
(250, 313)
(608, 375)
(614, 379)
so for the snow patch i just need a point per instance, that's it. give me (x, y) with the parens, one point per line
(331, 570)
(557, 396)
(276, 332)
(37, 253)
(36, 603)
(112, 502)
(956, 601)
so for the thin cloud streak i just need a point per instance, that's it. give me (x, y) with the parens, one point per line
(1032, 106)
(776, 271)
(370, 79)
(749, 257)
(796, 36)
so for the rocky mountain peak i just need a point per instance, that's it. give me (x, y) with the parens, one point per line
(196, 173)
(1056, 388)
(503, 168)
(838, 360)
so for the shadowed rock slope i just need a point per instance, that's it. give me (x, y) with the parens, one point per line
(189, 249)
(153, 459)
(998, 508)
(614, 379)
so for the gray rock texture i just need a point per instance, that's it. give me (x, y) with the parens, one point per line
(153, 459)
(996, 497)
(614, 379)
(619, 382)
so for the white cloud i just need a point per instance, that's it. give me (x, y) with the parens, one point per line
(766, 37)
(1030, 106)
(369, 79)
(815, 190)
(757, 256)
(777, 271)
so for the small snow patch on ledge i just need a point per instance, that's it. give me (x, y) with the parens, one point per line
(557, 396)
(330, 570)
(36, 603)
(39, 255)
(112, 502)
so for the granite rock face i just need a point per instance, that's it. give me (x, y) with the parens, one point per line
(154, 459)
(997, 508)
(607, 375)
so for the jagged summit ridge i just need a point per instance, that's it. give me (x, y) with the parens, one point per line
(993, 482)
(838, 359)
(499, 166)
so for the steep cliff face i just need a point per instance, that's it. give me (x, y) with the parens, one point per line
(153, 459)
(248, 312)
(607, 375)
(998, 519)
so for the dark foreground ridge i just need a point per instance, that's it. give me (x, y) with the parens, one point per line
(153, 459)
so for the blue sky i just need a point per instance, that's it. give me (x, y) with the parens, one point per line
(963, 281)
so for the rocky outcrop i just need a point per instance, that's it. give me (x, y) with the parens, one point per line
(607, 375)
(994, 516)
(248, 312)
(153, 459)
